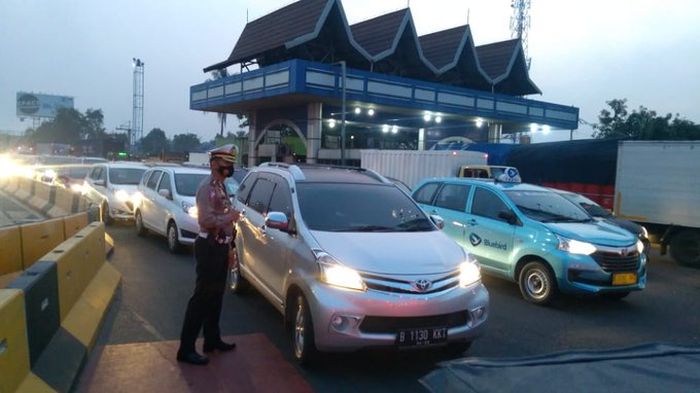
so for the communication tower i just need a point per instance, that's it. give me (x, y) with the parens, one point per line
(520, 24)
(137, 112)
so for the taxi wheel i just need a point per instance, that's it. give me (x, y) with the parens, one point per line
(302, 332)
(174, 245)
(236, 283)
(537, 284)
(138, 223)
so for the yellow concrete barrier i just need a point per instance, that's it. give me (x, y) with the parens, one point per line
(39, 238)
(63, 204)
(14, 347)
(11, 184)
(24, 188)
(77, 260)
(42, 193)
(74, 223)
(10, 250)
(84, 319)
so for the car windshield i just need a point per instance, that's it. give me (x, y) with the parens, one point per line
(591, 207)
(125, 175)
(231, 186)
(186, 184)
(359, 208)
(547, 206)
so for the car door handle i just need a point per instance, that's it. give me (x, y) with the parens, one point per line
(472, 222)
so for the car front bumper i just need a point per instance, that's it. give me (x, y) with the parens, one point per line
(373, 318)
(583, 275)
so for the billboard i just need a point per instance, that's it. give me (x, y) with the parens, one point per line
(41, 105)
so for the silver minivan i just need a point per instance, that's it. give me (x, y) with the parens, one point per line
(352, 262)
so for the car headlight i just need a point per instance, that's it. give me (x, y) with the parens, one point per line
(575, 246)
(77, 188)
(645, 233)
(640, 246)
(333, 273)
(469, 273)
(190, 209)
(136, 198)
(121, 195)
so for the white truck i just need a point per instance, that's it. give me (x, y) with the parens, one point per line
(658, 184)
(412, 166)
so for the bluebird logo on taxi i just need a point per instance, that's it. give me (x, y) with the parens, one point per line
(474, 239)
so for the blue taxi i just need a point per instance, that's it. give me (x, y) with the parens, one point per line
(535, 237)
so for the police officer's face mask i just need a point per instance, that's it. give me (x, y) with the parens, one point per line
(225, 171)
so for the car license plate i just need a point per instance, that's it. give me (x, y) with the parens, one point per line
(624, 278)
(425, 336)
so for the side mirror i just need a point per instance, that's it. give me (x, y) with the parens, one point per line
(165, 193)
(277, 220)
(438, 221)
(509, 217)
(100, 183)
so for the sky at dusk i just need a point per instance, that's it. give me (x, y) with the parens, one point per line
(583, 52)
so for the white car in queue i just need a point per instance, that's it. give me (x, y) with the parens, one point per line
(113, 187)
(168, 206)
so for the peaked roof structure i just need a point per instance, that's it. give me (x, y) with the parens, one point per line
(387, 44)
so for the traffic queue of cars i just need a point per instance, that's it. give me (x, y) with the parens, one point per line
(354, 260)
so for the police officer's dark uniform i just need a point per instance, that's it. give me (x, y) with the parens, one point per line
(215, 216)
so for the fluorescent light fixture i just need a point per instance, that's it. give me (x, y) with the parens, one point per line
(358, 110)
(479, 122)
(385, 128)
(394, 129)
(331, 123)
(370, 112)
(438, 119)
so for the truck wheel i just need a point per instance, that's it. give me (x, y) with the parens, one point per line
(685, 248)
(537, 283)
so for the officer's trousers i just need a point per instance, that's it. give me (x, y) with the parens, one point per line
(204, 307)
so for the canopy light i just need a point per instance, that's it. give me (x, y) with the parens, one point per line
(331, 123)
(546, 129)
(385, 128)
(533, 127)
(438, 119)
(358, 110)
(394, 129)
(479, 122)
(370, 112)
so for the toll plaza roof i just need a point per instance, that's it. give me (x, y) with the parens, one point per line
(386, 44)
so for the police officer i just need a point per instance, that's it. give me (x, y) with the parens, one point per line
(211, 248)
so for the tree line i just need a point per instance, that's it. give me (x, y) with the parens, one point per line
(70, 127)
(642, 124)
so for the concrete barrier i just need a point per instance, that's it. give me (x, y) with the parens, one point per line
(14, 349)
(74, 223)
(39, 238)
(64, 298)
(42, 196)
(10, 250)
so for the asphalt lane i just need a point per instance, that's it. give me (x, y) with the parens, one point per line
(156, 286)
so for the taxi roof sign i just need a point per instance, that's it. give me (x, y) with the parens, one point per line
(510, 175)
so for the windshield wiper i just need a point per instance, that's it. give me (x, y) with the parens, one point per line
(416, 225)
(366, 228)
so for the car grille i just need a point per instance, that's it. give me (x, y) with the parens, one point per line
(614, 261)
(372, 324)
(438, 283)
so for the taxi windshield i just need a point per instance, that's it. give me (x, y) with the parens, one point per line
(547, 206)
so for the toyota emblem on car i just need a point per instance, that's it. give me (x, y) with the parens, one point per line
(422, 285)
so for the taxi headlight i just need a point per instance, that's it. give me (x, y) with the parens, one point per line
(190, 209)
(575, 247)
(645, 233)
(640, 247)
(333, 273)
(469, 273)
(121, 195)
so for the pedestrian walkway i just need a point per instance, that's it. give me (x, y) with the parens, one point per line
(254, 366)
